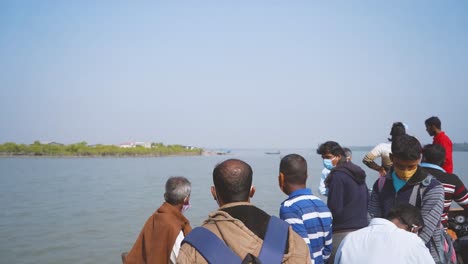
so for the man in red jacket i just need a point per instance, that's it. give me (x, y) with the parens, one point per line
(433, 127)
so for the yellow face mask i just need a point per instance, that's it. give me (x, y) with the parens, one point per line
(405, 174)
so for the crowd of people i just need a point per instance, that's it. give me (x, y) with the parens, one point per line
(401, 219)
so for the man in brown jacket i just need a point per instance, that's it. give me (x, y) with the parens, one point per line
(237, 222)
(159, 241)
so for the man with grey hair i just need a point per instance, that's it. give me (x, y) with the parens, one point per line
(159, 240)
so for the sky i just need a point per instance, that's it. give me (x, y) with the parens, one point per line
(231, 74)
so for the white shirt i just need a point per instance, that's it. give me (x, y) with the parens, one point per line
(322, 189)
(382, 151)
(176, 248)
(382, 242)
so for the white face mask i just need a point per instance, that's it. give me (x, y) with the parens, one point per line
(185, 207)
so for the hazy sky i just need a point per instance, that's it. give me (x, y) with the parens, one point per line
(231, 73)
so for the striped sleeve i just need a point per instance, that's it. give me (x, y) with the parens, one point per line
(460, 194)
(431, 210)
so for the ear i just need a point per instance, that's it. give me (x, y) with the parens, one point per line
(252, 191)
(281, 180)
(213, 193)
(391, 157)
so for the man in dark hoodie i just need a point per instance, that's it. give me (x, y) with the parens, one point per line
(347, 192)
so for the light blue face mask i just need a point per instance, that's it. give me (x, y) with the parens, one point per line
(328, 164)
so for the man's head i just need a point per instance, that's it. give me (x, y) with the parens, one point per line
(406, 154)
(232, 182)
(434, 154)
(178, 191)
(331, 153)
(348, 154)
(406, 217)
(398, 129)
(433, 125)
(293, 173)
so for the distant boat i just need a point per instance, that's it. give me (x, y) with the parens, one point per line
(273, 152)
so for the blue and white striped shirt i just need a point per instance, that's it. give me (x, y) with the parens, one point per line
(311, 219)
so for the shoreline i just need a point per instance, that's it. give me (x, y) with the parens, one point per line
(183, 154)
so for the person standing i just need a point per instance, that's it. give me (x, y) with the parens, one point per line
(305, 212)
(407, 182)
(347, 192)
(434, 129)
(383, 151)
(454, 189)
(240, 225)
(159, 240)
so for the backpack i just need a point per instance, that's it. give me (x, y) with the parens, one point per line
(446, 253)
(214, 250)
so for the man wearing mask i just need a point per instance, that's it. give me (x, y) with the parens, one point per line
(407, 182)
(347, 192)
(159, 240)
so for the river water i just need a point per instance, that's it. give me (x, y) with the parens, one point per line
(89, 210)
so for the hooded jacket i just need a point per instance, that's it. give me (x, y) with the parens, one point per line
(237, 235)
(347, 196)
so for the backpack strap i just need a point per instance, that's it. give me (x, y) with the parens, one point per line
(274, 243)
(211, 247)
(214, 250)
(421, 187)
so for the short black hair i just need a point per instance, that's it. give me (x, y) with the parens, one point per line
(434, 153)
(406, 147)
(232, 179)
(331, 147)
(433, 121)
(407, 214)
(398, 129)
(294, 168)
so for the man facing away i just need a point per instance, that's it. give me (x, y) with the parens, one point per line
(391, 240)
(383, 151)
(239, 224)
(306, 213)
(454, 189)
(347, 192)
(407, 182)
(434, 129)
(161, 236)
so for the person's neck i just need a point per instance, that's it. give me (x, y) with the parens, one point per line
(294, 187)
(221, 203)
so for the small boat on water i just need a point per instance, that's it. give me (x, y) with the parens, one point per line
(273, 152)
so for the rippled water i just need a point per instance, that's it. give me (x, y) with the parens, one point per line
(89, 210)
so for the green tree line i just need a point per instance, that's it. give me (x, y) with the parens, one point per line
(82, 149)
